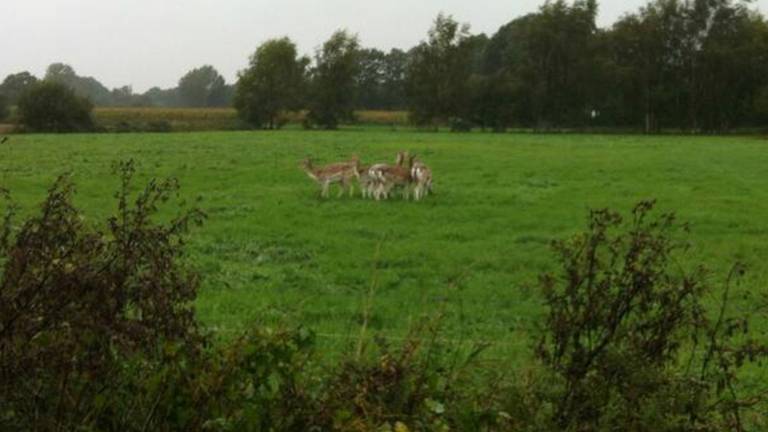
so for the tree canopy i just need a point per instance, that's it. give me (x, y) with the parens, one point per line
(333, 81)
(203, 87)
(50, 106)
(273, 84)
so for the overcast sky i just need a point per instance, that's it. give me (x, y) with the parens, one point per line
(146, 43)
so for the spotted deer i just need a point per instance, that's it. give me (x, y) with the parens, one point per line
(387, 177)
(422, 177)
(340, 172)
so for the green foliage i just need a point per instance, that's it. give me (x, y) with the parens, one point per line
(203, 87)
(86, 87)
(694, 66)
(333, 82)
(49, 106)
(4, 109)
(14, 85)
(163, 98)
(438, 74)
(381, 83)
(543, 66)
(273, 84)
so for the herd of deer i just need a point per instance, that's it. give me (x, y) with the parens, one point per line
(376, 181)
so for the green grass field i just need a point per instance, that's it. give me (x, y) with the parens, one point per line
(273, 250)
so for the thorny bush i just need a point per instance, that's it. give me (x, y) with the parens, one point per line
(628, 340)
(75, 301)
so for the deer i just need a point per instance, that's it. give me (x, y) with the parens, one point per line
(387, 176)
(366, 181)
(422, 176)
(340, 172)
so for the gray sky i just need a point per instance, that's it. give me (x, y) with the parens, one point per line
(147, 43)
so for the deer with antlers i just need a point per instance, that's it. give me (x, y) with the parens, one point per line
(340, 172)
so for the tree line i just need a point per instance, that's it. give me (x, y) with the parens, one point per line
(699, 65)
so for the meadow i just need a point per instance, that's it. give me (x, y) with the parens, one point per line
(272, 250)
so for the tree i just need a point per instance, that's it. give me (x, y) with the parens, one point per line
(371, 78)
(53, 107)
(727, 65)
(202, 87)
(87, 87)
(545, 63)
(437, 82)
(272, 84)
(163, 97)
(15, 84)
(393, 87)
(4, 111)
(333, 84)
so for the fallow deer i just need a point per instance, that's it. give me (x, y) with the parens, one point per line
(388, 177)
(366, 181)
(341, 172)
(422, 176)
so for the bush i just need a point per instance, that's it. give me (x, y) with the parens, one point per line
(627, 343)
(53, 107)
(77, 303)
(421, 384)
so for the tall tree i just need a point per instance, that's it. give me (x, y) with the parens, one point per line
(546, 60)
(393, 86)
(437, 83)
(381, 83)
(333, 85)
(728, 64)
(87, 87)
(273, 83)
(163, 97)
(4, 110)
(371, 79)
(202, 87)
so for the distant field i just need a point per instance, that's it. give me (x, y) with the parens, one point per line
(206, 119)
(273, 250)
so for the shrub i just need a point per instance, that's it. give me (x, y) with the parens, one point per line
(53, 107)
(76, 303)
(627, 342)
(422, 384)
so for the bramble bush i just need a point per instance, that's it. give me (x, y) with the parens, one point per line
(627, 343)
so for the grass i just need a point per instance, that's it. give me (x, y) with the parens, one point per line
(273, 250)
